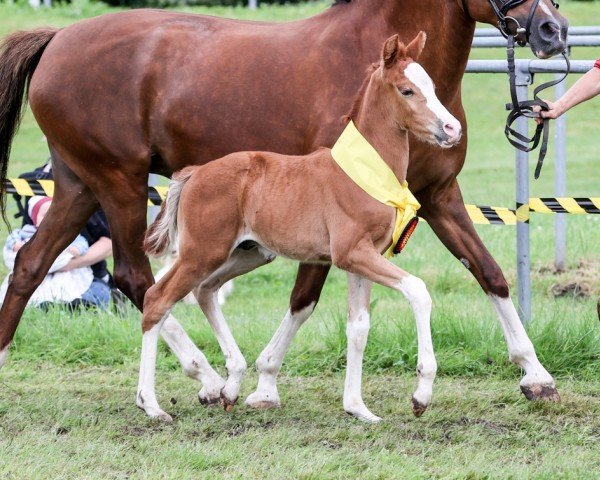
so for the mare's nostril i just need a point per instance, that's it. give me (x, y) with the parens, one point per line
(550, 31)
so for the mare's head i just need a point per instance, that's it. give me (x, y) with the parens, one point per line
(402, 94)
(547, 33)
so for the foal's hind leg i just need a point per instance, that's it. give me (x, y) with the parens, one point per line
(72, 205)
(240, 262)
(126, 214)
(367, 262)
(158, 302)
(309, 283)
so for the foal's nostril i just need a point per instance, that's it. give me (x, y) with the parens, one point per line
(450, 130)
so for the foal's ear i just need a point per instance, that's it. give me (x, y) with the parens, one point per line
(392, 51)
(415, 47)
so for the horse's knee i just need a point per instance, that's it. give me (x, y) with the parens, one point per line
(154, 308)
(27, 274)
(415, 291)
(495, 283)
(133, 284)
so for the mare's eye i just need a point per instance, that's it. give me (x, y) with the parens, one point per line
(407, 92)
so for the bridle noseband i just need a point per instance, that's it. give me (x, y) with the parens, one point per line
(525, 108)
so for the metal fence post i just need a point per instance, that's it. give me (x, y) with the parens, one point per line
(560, 181)
(524, 79)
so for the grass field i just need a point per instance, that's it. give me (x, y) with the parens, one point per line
(66, 396)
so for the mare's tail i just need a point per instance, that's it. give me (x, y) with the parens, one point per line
(163, 232)
(20, 53)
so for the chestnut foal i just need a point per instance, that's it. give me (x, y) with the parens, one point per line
(237, 213)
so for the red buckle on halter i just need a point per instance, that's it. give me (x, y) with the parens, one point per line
(408, 231)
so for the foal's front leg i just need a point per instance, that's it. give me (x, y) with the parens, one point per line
(367, 262)
(357, 331)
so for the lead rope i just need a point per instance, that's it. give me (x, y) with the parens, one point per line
(518, 109)
(525, 108)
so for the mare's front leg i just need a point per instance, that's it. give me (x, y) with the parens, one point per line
(366, 262)
(306, 293)
(445, 212)
(357, 331)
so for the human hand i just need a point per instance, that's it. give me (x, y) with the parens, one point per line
(74, 251)
(17, 246)
(554, 111)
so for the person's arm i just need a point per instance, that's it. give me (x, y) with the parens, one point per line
(97, 252)
(585, 88)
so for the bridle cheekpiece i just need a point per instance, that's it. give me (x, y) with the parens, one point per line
(526, 108)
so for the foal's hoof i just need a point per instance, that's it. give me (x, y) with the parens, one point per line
(543, 393)
(227, 403)
(263, 401)
(418, 408)
(207, 399)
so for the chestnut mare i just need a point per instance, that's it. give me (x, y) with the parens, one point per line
(126, 94)
(237, 213)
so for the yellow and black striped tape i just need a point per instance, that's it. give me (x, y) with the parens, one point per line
(481, 215)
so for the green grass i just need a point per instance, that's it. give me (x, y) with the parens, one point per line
(80, 422)
(66, 397)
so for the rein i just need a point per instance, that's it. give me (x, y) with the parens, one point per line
(526, 108)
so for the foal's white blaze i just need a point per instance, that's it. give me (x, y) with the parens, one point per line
(3, 356)
(417, 75)
(520, 348)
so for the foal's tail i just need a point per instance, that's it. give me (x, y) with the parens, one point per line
(163, 232)
(20, 53)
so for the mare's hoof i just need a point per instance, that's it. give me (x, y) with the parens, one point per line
(418, 408)
(543, 393)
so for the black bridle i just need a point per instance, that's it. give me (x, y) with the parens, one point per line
(526, 108)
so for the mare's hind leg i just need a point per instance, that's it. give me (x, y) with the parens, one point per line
(72, 205)
(126, 214)
(158, 302)
(240, 262)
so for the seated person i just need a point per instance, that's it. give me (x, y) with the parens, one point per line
(58, 286)
(97, 233)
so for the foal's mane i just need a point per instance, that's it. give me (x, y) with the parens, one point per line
(356, 103)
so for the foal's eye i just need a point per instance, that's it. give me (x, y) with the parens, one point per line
(407, 92)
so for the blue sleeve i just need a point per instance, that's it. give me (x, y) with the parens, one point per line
(80, 244)
(13, 238)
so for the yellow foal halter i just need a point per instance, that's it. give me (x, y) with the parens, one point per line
(361, 162)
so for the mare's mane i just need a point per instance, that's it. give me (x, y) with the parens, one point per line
(356, 103)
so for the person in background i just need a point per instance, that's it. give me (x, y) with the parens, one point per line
(72, 287)
(585, 88)
(97, 234)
